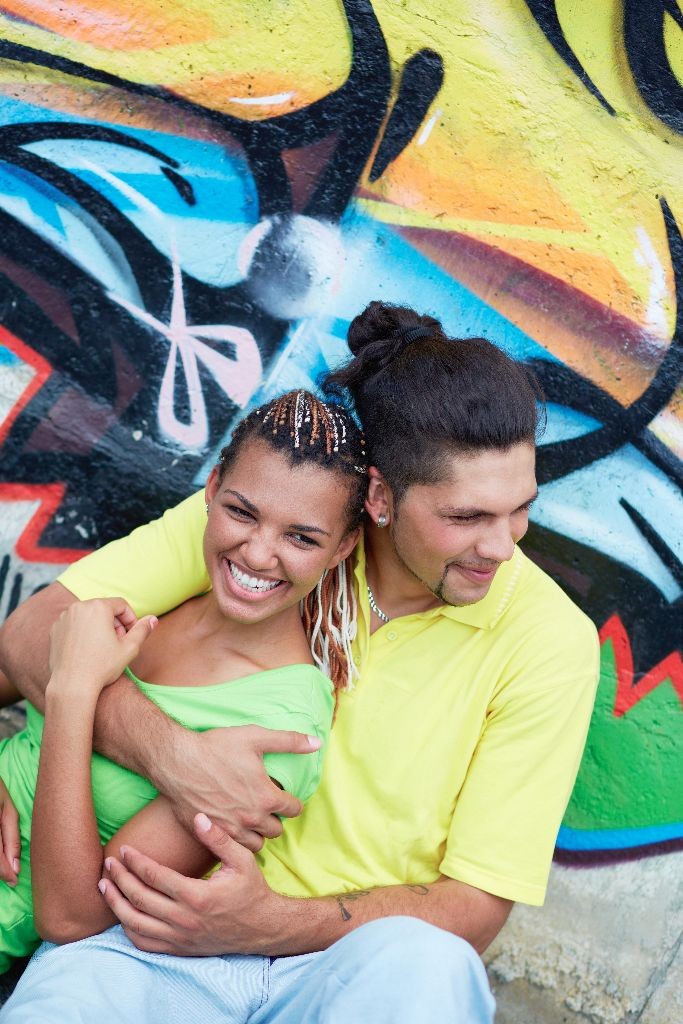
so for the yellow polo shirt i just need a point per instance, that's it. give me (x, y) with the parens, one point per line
(456, 751)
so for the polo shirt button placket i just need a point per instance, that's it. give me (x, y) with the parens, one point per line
(392, 635)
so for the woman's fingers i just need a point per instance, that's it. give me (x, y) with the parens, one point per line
(93, 641)
(139, 926)
(10, 840)
(7, 873)
(143, 893)
(150, 945)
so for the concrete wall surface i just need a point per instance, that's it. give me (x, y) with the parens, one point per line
(196, 198)
(605, 949)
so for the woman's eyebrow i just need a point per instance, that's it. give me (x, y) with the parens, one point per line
(245, 501)
(300, 528)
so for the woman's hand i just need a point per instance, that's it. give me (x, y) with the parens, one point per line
(92, 642)
(10, 842)
(233, 911)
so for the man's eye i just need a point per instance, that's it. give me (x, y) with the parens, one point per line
(241, 513)
(464, 519)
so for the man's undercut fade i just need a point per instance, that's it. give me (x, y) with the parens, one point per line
(423, 397)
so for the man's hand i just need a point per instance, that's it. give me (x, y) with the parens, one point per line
(10, 842)
(221, 773)
(233, 911)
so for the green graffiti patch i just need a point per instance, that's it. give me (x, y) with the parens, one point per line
(631, 775)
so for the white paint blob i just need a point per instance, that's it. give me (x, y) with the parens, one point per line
(292, 264)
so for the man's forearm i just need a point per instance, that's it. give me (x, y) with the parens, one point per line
(236, 911)
(25, 642)
(308, 925)
(131, 730)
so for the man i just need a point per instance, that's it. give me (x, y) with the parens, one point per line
(450, 763)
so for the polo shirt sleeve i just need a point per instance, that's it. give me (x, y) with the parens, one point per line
(508, 812)
(155, 568)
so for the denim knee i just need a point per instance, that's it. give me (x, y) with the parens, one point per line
(412, 944)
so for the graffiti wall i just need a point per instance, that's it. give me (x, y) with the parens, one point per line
(197, 196)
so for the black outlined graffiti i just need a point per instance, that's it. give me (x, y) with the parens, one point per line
(622, 425)
(643, 28)
(96, 410)
(546, 17)
(421, 80)
(648, 60)
(92, 424)
(600, 584)
(105, 381)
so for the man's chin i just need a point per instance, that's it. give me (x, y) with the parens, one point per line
(460, 601)
(460, 597)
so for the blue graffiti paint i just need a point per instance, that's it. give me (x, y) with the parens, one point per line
(617, 838)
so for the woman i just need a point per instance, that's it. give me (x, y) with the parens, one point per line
(284, 507)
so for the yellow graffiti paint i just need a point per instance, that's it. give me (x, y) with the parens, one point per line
(515, 153)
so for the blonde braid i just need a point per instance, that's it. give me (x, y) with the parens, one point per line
(329, 618)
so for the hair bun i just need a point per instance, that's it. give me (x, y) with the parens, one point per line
(381, 331)
(376, 337)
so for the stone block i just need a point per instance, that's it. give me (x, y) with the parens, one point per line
(666, 1003)
(602, 944)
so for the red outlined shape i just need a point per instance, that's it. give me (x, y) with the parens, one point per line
(41, 366)
(629, 694)
(50, 498)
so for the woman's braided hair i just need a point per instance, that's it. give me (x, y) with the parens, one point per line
(307, 429)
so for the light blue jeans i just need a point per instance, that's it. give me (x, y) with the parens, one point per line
(397, 970)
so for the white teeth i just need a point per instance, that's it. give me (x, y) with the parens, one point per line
(250, 582)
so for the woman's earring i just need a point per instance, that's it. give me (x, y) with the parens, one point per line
(207, 508)
(381, 520)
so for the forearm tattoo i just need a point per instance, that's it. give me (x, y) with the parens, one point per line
(348, 897)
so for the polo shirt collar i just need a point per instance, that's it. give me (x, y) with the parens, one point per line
(482, 615)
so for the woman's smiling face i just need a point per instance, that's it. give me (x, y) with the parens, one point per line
(272, 530)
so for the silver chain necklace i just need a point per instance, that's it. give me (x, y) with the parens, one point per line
(382, 616)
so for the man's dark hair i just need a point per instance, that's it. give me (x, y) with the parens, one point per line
(422, 396)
